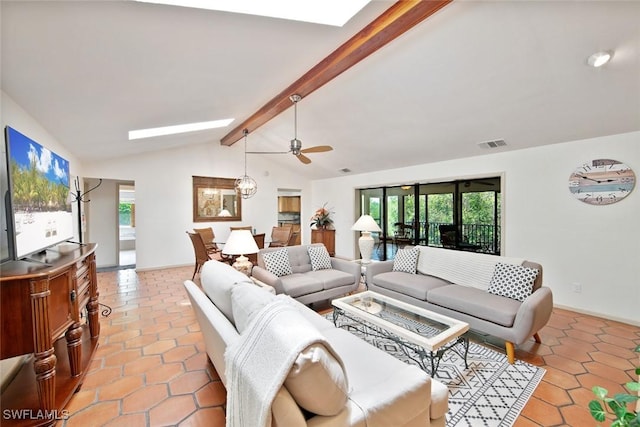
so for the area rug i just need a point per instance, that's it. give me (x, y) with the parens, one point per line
(490, 392)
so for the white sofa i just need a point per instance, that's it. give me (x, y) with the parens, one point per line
(382, 391)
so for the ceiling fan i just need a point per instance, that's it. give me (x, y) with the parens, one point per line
(296, 145)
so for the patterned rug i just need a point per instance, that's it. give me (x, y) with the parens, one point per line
(491, 392)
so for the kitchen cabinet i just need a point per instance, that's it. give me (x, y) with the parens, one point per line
(289, 204)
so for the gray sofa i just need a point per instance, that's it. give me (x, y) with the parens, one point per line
(305, 284)
(382, 390)
(434, 287)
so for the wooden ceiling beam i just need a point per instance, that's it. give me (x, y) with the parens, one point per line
(395, 21)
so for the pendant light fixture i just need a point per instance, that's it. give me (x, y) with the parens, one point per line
(245, 185)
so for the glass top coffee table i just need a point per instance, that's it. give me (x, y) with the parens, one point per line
(393, 319)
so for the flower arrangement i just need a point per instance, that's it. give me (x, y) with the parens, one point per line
(322, 217)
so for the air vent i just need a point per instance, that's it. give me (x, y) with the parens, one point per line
(345, 170)
(492, 144)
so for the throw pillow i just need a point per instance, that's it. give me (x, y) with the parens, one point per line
(318, 382)
(285, 410)
(319, 256)
(406, 260)
(512, 281)
(277, 262)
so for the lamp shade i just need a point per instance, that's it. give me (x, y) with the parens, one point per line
(366, 223)
(240, 242)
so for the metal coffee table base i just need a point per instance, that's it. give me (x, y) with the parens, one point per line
(410, 350)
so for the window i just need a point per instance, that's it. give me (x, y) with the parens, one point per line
(459, 215)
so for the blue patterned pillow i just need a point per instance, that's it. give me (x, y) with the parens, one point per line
(277, 262)
(512, 281)
(319, 256)
(406, 260)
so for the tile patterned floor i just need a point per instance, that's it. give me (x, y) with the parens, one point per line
(151, 368)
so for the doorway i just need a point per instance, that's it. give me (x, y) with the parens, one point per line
(289, 208)
(126, 225)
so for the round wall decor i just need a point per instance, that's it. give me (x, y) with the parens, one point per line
(602, 182)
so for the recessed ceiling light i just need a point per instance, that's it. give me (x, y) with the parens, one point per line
(598, 59)
(328, 12)
(171, 130)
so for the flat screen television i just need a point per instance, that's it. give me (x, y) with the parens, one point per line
(38, 211)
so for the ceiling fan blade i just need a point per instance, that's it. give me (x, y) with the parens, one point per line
(317, 149)
(304, 159)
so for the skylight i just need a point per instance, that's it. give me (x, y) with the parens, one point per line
(171, 130)
(328, 12)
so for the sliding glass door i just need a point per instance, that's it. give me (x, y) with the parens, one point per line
(460, 215)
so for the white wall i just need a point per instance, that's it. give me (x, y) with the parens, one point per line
(597, 247)
(164, 197)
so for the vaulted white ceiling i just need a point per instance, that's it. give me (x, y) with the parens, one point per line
(90, 71)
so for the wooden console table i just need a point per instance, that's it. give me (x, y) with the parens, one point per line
(42, 301)
(326, 236)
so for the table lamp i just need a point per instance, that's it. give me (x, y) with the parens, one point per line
(366, 224)
(241, 242)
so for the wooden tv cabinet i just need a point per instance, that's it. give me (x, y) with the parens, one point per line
(42, 303)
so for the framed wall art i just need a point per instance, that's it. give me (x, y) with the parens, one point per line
(216, 199)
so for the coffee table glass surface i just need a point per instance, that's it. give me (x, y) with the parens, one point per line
(385, 312)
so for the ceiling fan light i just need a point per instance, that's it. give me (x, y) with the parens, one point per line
(598, 59)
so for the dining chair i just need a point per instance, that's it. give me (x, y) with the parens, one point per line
(293, 238)
(200, 252)
(280, 236)
(402, 235)
(244, 227)
(208, 237)
(259, 238)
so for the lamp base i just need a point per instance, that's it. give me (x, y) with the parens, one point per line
(243, 265)
(366, 247)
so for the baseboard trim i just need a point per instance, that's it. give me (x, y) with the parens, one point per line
(596, 314)
(164, 267)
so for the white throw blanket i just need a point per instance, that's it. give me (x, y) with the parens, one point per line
(258, 362)
(459, 267)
